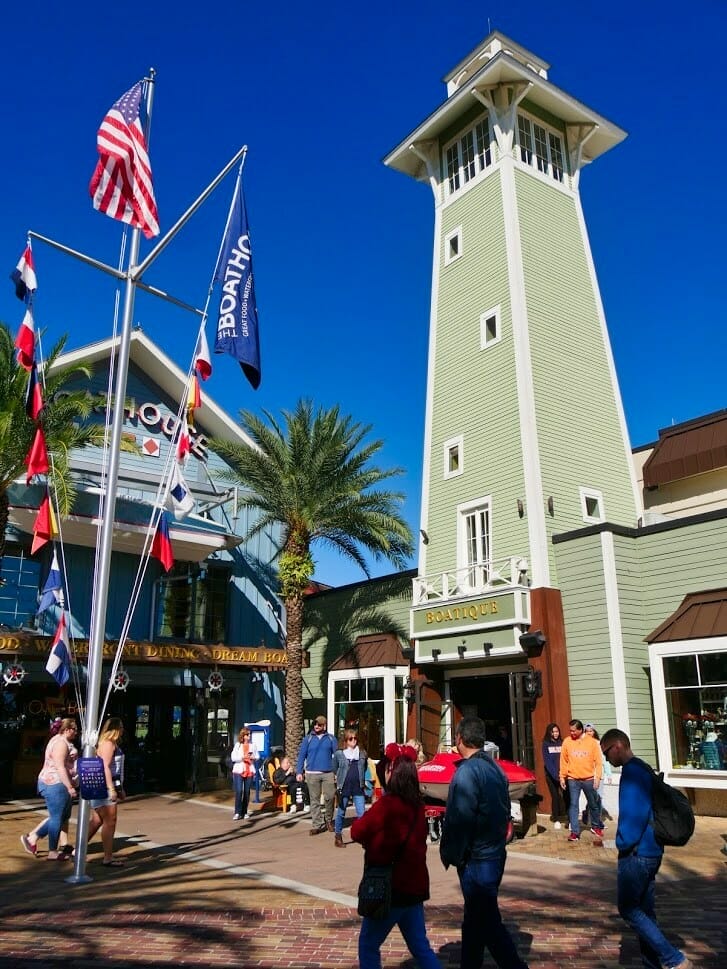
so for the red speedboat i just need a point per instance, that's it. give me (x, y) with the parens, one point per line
(436, 775)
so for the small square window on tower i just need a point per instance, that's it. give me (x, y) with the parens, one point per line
(453, 457)
(490, 327)
(453, 245)
(592, 505)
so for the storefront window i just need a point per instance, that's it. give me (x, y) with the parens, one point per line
(372, 702)
(192, 603)
(219, 736)
(696, 700)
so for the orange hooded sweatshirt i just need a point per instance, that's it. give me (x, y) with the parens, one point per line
(581, 759)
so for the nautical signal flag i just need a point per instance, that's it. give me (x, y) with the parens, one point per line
(33, 394)
(184, 442)
(45, 528)
(52, 592)
(237, 327)
(24, 276)
(121, 185)
(202, 359)
(180, 501)
(36, 460)
(25, 341)
(194, 398)
(59, 661)
(161, 547)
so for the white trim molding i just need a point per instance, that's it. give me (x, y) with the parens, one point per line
(615, 632)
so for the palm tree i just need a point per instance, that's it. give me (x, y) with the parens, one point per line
(312, 477)
(63, 421)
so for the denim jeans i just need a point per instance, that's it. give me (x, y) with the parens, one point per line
(482, 925)
(58, 801)
(241, 787)
(359, 802)
(636, 883)
(410, 919)
(592, 800)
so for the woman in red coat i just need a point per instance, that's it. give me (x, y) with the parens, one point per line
(395, 830)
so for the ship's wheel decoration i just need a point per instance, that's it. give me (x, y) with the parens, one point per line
(215, 681)
(121, 681)
(14, 674)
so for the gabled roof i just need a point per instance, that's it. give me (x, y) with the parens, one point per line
(504, 68)
(167, 375)
(700, 615)
(686, 449)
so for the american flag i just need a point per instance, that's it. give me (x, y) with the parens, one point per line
(122, 184)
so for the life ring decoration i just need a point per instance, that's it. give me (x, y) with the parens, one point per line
(14, 674)
(215, 681)
(121, 681)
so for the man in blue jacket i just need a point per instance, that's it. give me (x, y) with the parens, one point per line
(639, 854)
(316, 758)
(473, 840)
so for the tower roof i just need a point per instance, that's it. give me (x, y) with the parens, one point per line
(498, 60)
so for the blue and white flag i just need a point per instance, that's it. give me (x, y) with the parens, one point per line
(180, 501)
(237, 325)
(52, 591)
(59, 661)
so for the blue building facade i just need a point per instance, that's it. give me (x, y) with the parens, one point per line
(213, 617)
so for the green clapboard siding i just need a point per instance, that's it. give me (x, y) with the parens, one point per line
(475, 390)
(579, 433)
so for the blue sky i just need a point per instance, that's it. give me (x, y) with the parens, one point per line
(341, 245)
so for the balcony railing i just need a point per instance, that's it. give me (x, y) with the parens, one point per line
(470, 580)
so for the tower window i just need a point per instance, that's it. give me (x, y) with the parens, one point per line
(540, 147)
(453, 245)
(467, 156)
(453, 457)
(490, 327)
(592, 505)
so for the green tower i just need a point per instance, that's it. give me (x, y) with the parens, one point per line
(525, 434)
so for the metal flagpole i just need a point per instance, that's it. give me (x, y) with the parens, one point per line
(103, 570)
(132, 277)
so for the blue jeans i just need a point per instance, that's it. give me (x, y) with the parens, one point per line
(636, 884)
(410, 919)
(482, 924)
(58, 801)
(592, 801)
(359, 802)
(241, 787)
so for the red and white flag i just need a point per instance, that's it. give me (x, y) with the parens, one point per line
(121, 185)
(25, 341)
(184, 441)
(202, 358)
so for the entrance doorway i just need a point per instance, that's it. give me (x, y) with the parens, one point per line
(158, 739)
(500, 699)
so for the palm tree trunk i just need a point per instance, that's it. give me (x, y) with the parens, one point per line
(294, 676)
(4, 515)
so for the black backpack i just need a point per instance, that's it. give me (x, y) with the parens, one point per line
(673, 821)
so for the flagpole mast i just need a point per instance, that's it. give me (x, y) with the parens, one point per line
(103, 570)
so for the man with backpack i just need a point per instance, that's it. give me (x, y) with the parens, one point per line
(639, 854)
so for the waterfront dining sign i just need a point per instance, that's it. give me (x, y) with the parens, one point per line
(199, 654)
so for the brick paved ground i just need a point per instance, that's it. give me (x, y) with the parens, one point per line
(200, 890)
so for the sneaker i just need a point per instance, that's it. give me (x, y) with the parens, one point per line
(306, 809)
(557, 825)
(572, 837)
(246, 817)
(235, 817)
(27, 846)
(597, 833)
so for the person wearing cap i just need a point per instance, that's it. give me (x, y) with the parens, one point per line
(316, 759)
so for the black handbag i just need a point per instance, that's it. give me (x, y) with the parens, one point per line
(374, 890)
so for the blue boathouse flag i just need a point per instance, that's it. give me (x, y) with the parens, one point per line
(237, 326)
